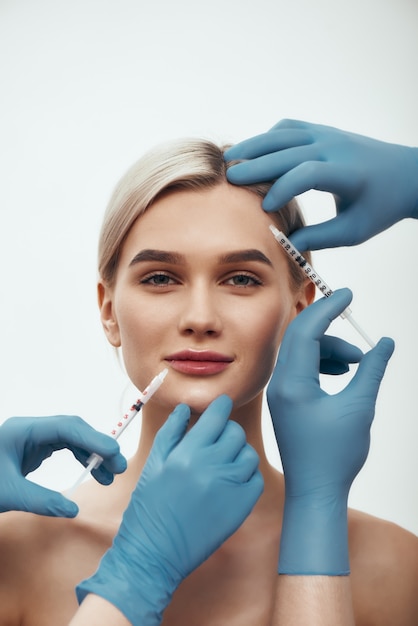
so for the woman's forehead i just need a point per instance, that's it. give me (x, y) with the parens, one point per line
(228, 216)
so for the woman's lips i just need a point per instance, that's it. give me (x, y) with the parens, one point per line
(199, 362)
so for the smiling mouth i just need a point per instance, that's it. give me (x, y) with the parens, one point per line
(199, 362)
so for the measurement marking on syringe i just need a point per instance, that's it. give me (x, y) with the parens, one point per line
(309, 271)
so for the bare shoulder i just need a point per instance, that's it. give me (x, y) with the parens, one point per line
(18, 533)
(384, 571)
(33, 549)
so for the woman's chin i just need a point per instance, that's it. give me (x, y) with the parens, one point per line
(198, 394)
(198, 404)
(195, 391)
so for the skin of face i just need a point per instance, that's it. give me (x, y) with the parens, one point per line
(202, 299)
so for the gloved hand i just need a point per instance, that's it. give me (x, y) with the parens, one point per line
(323, 440)
(335, 355)
(196, 489)
(27, 441)
(374, 183)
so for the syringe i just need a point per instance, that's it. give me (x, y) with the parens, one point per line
(95, 460)
(313, 275)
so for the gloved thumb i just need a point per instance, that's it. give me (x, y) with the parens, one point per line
(371, 370)
(172, 432)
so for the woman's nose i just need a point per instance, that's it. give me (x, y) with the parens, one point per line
(201, 313)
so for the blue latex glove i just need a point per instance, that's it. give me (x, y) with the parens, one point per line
(196, 489)
(374, 183)
(336, 355)
(323, 440)
(27, 441)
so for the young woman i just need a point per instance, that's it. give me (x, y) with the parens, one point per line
(192, 279)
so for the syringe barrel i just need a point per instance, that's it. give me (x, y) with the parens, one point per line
(296, 256)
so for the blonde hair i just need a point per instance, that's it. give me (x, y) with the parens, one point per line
(180, 165)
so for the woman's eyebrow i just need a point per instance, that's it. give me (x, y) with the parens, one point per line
(160, 256)
(241, 256)
(175, 258)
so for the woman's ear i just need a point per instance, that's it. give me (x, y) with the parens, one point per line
(305, 296)
(107, 314)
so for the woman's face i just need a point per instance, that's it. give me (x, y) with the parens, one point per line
(202, 288)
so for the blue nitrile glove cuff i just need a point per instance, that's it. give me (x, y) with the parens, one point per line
(141, 594)
(314, 538)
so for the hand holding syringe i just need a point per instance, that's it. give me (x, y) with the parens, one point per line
(313, 275)
(95, 460)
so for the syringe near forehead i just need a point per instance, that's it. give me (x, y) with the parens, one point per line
(313, 275)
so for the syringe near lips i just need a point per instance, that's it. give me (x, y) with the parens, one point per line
(313, 275)
(95, 460)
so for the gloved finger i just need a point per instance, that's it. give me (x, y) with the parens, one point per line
(305, 331)
(211, 423)
(368, 377)
(172, 432)
(318, 131)
(292, 123)
(115, 464)
(309, 174)
(72, 432)
(342, 230)
(267, 143)
(32, 498)
(245, 465)
(230, 443)
(336, 355)
(103, 475)
(251, 491)
(268, 167)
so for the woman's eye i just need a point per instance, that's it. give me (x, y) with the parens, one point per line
(243, 280)
(158, 280)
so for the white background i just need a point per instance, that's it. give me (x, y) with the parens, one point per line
(88, 85)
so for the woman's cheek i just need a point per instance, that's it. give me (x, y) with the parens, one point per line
(265, 341)
(139, 353)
